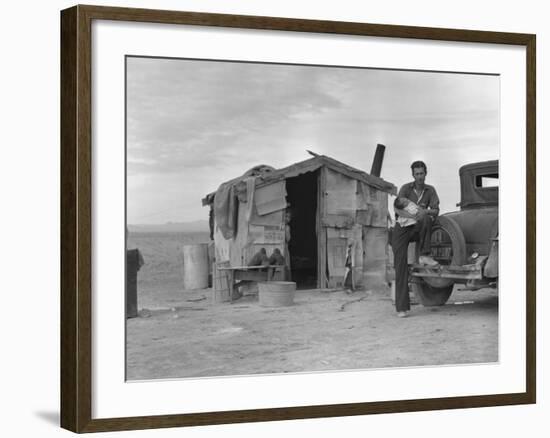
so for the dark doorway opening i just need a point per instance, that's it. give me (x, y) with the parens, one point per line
(302, 197)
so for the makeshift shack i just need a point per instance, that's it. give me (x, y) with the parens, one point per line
(332, 205)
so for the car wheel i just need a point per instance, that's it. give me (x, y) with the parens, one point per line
(448, 248)
(429, 295)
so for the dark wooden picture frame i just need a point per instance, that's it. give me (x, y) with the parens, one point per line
(76, 218)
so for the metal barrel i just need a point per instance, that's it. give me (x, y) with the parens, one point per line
(195, 266)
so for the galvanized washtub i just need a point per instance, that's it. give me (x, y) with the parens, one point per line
(276, 293)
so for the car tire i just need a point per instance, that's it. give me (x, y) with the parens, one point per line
(431, 296)
(436, 291)
(458, 243)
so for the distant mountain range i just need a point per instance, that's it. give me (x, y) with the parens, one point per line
(185, 227)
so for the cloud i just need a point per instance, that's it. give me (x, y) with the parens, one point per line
(189, 114)
(194, 124)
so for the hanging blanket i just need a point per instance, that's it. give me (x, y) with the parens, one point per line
(226, 210)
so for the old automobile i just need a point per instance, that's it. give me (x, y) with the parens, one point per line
(464, 242)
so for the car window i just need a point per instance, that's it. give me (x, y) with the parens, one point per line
(488, 180)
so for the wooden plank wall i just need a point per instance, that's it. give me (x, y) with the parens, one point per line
(340, 228)
(322, 280)
(372, 206)
(348, 212)
(356, 213)
(338, 240)
(340, 202)
(375, 241)
(265, 231)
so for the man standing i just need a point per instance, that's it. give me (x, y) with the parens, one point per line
(425, 197)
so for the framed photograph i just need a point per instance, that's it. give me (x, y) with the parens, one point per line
(270, 218)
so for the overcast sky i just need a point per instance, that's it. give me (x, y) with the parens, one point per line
(192, 125)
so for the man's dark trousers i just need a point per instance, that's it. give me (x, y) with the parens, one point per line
(420, 232)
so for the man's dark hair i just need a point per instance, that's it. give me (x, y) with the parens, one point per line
(418, 164)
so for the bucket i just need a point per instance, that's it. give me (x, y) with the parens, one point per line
(276, 293)
(195, 266)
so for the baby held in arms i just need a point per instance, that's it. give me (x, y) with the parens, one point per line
(408, 206)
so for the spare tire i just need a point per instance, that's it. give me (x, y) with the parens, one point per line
(446, 232)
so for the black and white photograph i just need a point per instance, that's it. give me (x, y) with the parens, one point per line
(274, 219)
(286, 218)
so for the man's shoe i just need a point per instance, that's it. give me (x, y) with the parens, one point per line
(427, 260)
(402, 314)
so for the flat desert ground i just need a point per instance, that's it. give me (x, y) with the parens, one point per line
(181, 333)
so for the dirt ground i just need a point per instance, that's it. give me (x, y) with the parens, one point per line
(183, 334)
